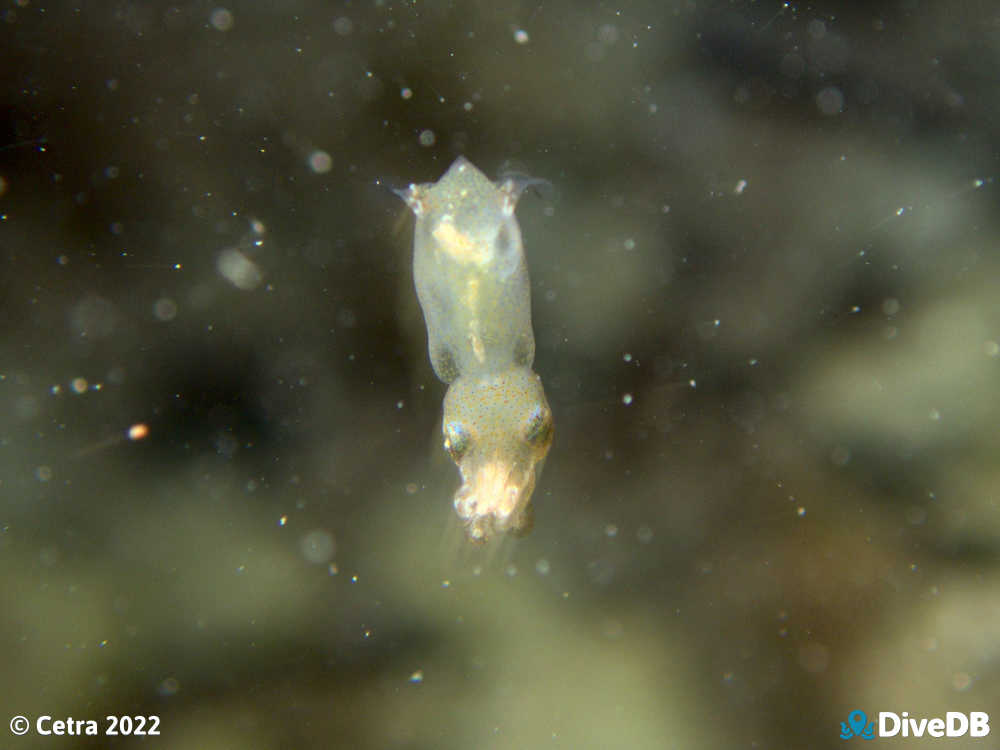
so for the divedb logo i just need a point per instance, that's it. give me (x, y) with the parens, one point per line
(953, 724)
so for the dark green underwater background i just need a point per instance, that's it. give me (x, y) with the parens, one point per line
(766, 291)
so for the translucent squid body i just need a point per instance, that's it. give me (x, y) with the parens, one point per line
(472, 283)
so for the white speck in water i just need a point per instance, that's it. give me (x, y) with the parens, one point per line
(238, 269)
(991, 348)
(406, 92)
(627, 399)
(320, 162)
(78, 385)
(511, 570)
(627, 357)
(830, 101)
(417, 677)
(607, 34)
(427, 138)
(934, 415)
(282, 521)
(630, 244)
(521, 36)
(221, 19)
(644, 534)
(343, 26)
(740, 187)
(165, 309)
(542, 567)
(800, 511)
(611, 530)
(168, 687)
(43, 473)
(693, 383)
(855, 309)
(318, 546)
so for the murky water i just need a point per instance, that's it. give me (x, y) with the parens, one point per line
(765, 303)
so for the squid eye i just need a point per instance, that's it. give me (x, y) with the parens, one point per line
(538, 429)
(456, 440)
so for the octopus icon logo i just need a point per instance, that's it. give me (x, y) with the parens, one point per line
(857, 726)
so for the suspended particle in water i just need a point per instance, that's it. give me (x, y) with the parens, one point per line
(427, 138)
(168, 687)
(318, 546)
(343, 26)
(165, 309)
(238, 269)
(221, 19)
(521, 36)
(320, 162)
(830, 101)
